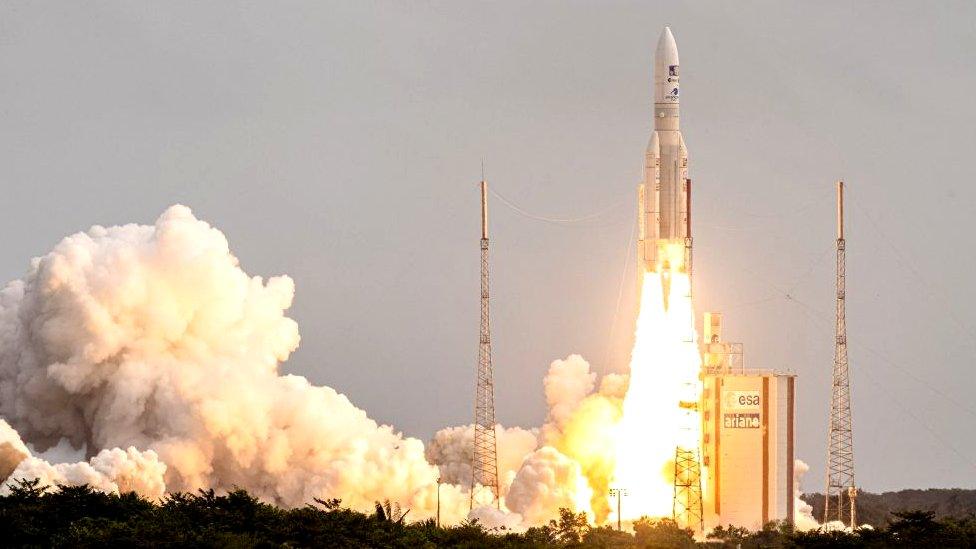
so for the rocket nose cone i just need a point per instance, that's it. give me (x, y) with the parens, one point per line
(666, 70)
(667, 49)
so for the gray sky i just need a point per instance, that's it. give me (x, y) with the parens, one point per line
(340, 143)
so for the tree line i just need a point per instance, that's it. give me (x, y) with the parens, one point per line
(80, 516)
(878, 509)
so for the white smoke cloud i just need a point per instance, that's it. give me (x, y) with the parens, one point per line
(566, 384)
(112, 470)
(12, 450)
(581, 424)
(452, 451)
(147, 359)
(614, 385)
(153, 337)
(497, 520)
(802, 511)
(546, 482)
(572, 467)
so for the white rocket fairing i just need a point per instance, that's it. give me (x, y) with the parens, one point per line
(663, 197)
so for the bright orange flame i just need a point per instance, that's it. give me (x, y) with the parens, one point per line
(665, 369)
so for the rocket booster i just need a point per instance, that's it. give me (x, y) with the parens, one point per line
(663, 201)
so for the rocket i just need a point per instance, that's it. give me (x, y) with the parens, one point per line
(664, 195)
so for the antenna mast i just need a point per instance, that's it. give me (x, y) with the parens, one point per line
(840, 443)
(484, 470)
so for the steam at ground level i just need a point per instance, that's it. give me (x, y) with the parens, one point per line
(149, 353)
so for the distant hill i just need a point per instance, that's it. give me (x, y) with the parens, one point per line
(876, 509)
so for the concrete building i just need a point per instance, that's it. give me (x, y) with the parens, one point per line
(747, 437)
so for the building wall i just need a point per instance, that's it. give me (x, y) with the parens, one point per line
(748, 448)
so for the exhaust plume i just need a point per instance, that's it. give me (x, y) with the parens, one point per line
(660, 409)
(154, 338)
(152, 350)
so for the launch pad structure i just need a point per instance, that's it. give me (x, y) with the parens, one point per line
(840, 440)
(484, 467)
(687, 508)
(748, 429)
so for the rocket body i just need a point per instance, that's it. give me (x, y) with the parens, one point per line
(663, 196)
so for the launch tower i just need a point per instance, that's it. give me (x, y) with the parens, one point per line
(840, 440)
(484, 469)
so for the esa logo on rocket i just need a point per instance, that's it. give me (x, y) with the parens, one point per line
(673, 79)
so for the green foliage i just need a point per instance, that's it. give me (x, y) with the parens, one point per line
(390, 512)
(605, 536)
(878, 509)
(662, 533)
(571, 527)
(35, 516)
(730, 535)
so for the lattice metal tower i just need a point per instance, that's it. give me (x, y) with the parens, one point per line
(840, 442)
(686, 507)
(484, 469)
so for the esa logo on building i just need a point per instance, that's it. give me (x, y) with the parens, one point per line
(741, 400)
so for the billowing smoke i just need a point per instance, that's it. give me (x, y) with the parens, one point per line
(803, 515)
(152, 354)
(802, 511)
(452, 450)
(580, 423)
(149, 345)
(547, 481)
(112, 470)
(566, 465)
(12, 450)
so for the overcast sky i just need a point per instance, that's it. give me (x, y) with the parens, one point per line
(340, 143)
